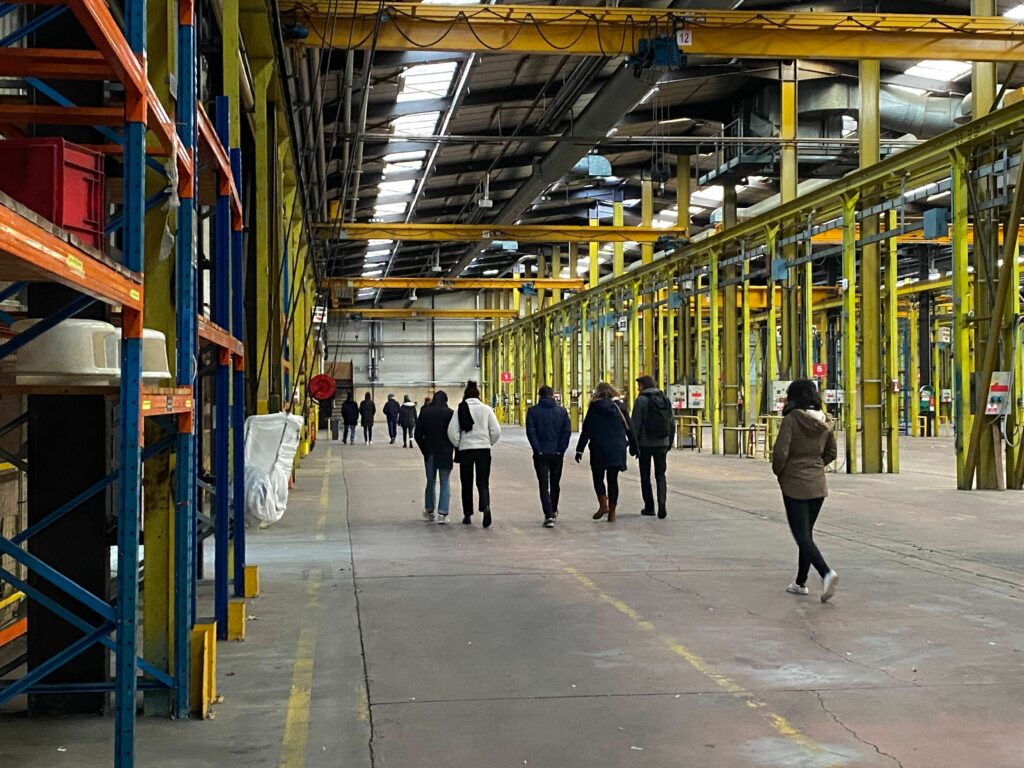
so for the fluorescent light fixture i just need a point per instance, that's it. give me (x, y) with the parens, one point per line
(398, 157)
(490, 272)
(372, 243)
(939, 70)
(390, 209)
(416, 123)
(377, 253)
(373, 272)
(611, 132)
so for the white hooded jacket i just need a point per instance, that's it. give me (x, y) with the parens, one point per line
(486, 430)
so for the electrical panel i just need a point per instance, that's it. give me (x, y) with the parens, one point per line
(999, 401)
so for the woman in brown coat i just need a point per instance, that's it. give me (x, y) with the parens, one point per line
(805, 444)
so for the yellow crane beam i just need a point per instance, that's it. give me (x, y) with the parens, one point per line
(523, 233)
(457, 284)
(395, 313)
(538, 29)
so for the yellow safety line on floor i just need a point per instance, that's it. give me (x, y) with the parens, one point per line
(296, 721)
(778, 722)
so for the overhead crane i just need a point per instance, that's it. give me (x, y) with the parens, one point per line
(457, 283)
(412, 313)
(523, 233)
(537, 29)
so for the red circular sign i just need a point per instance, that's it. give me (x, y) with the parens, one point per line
(322, 387)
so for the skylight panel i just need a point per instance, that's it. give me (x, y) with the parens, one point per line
(378, 253)
(416, 123)
(940, 70)
(405, 165)
(373, 272)
(372, 243)
(427, 81)
(386, 188)
(1016, 13)
(398, 157)
(390, 209)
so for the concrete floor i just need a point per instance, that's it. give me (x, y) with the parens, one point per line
(648, 643)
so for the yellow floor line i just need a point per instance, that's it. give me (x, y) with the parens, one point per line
(781, 725)
(296, 721)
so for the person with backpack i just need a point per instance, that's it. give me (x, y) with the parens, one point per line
(431, 436)
(549, 430)
(367, 410)
(350, 418)
(392, 411)
(804, 446)
(606, 429)
(653, 426)
(473, 431)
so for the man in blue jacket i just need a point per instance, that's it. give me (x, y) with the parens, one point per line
(548, 429)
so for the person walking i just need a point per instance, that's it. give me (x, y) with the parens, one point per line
(804, 445)
(367, 410)
(473, 430)
(606, 429)
(653, 426)
(349, 418)
(407, 419)
(431, 435)
(392, 410)
(549, 430)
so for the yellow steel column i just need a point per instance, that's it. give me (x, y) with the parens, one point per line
(746, 382)
(262, 72)
(700, 375)
(542, 272)
(594, 247)
(730, 358)
(788, 179)
(849, 352)
(685, 316)
(962, 306)
(585, 355)
(548, 376)
(634, 348)
(870, 282)
(914, 366)
(647, 256)
(623, 354)
(771, 349)
(618, 263)
(1009, 340)
(574, 260)
(892, 346)
(714, 377)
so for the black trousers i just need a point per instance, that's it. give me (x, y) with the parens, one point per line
(802, 515)
(475, 462)
(657, 455)
(549, 477)
(407, 433)
(612, 473)
(367, 432)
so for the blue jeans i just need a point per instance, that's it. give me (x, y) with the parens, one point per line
(349, 435)
(445, 494)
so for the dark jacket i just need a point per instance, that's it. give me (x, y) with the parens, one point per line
(350, 413)
(548, 428)
(804, 445)
(392, 409)
(650, 405)
(407, 415)
(431, 433)
(367, 410)
(605, 430)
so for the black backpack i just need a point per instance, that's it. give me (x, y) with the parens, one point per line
(659, 422)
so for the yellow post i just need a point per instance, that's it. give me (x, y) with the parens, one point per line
(849, 351)
(713, 355)
(746, 382)
(962, 308)
(262, 72)
(788, 179)
(870, 285)
(647, 256)
(914, 366)
(730, 358)
(594, 248)
(634, 346)
(892, 346)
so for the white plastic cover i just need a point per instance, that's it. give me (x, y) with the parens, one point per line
(270, 445)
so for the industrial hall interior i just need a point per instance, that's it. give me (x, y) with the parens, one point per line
(446, 384)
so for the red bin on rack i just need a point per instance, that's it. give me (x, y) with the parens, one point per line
(60, 181)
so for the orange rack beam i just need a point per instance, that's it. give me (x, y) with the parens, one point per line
(163, 401)
(213, 333)
(209, 140)
(47, 63)
(31, 251)
(24, 114)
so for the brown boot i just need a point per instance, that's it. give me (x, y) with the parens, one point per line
(611, 511)
(602, 508)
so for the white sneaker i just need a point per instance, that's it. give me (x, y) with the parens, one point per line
(796, 589)
(828, 587)
(442, 519)
(428, 514)
(549, 522)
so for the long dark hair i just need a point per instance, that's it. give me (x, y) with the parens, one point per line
(465, 417)
(803, 395)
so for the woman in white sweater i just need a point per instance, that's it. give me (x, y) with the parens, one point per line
(473, 430)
